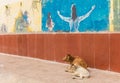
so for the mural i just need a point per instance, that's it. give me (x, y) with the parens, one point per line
(59, 16)
(22, 22)
(20, 16)
(75, 15)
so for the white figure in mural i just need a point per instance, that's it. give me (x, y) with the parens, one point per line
(3, 28)
(49, 24)
(7, 10)
(75, 20)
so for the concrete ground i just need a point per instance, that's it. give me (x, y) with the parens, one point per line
(14, 69)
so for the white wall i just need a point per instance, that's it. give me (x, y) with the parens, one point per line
(5, 2)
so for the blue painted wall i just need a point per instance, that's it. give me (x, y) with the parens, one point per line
(97, 21)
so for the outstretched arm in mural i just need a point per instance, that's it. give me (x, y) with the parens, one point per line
(81, 18)
(67, 19)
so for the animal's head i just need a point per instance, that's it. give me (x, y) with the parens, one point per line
(68, 58)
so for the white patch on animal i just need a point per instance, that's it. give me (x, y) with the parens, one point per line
(81, 72)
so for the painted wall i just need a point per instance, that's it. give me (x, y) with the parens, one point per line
(59, 16)
(84, 16)
(6, 2)
(75, 15)
(20, 16)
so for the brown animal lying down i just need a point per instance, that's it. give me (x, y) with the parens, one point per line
(74, 61)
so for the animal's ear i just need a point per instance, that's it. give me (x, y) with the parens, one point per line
(64, 58)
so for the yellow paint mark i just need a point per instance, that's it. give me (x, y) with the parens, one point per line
(111, 16)
(40, 17)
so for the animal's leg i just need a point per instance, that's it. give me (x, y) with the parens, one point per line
(75, 75)
(68, 68)
(81, 77)
(72, 69)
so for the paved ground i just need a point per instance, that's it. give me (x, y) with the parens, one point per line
(27, 70)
